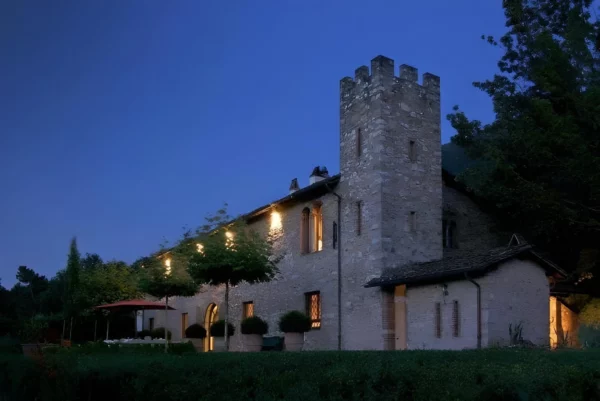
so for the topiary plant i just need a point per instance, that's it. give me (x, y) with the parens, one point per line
(195, 331)
(294, 322)
(159, 332)
(144, 333)
(254, 325)
(218, 329)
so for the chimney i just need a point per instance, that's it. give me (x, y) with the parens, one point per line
(294, 186)
(318, 174)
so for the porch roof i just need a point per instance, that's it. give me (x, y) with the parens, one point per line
(454, 265)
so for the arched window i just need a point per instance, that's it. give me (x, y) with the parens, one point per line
(211, 316)
(305, 231)
(317, 228)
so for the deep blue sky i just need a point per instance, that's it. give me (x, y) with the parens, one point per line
(122, 121)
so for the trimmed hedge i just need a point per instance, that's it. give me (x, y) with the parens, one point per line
(159, 332)
(218, 329)
(254, 325)
(381, 376)
(294, 322)
(195, 331)
(101, 348)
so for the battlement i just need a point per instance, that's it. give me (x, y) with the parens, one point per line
(382, 72)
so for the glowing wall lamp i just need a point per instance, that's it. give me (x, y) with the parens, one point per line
(168, 266)
(276, 224)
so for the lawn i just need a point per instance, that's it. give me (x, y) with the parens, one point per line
(409, 375)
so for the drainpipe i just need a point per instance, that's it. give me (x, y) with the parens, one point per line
(478, 309)
(339, 269)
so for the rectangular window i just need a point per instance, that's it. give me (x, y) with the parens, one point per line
(455, 320)
(358, 218)
(151, 323)
(412, 151)
(248, 309)
(184, 324)
(358, 142)
(335, 234)
(313, 308)
(438, 320)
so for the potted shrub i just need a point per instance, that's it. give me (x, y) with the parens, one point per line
(144, 333)
(196, 333)
(253, 328)
(217, 330)
(159, 332)
(294, 324)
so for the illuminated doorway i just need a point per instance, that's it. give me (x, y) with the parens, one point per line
(212, 315)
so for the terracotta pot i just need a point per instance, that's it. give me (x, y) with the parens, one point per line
(294, 341)
(32, 351)
(198, 343)
(219, 343)
(252, 342)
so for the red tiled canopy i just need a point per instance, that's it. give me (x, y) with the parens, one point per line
(134, 304)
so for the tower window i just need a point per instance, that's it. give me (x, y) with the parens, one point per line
(449, 234)
(317, 228)
(412, 151)
(305, 231)
(358, 218)
(358, 142)
(313, 308)
(248, 309)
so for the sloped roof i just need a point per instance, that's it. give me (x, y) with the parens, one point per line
(456, 263)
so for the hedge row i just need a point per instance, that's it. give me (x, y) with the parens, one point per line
(415, 375)
(100, 348)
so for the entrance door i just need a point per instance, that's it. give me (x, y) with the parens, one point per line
(211, 316)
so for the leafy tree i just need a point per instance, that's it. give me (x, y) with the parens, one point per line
(165, 277)
(539, 158)
(228, 254)
(91, 261)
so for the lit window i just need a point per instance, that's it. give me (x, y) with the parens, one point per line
(313, 308)
(248, 309)
(317, 229)
(184, 324)
(438, 320)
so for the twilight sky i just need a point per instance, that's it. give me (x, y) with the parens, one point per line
(121, 121)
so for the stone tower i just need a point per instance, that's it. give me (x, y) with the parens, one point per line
(391, 179)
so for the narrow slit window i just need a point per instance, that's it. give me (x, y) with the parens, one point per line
(317, 228)
(313, 308)
(305, 231)
(248, 309)
(184, 324)
(412, 221)
(358, 142)
(455, 320)
(449, 234)
(335, 234)
(412, 151)
(438, 320)
(151, 323)
(358, 218)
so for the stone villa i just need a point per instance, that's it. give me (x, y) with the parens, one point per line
(391, 253)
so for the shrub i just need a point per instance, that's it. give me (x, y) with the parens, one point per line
(159, 332)
(101, 348)
(218, 329)
(254, 325)
(195, 331)
(145, 333)
(589, 336)
(32, 330)
(294, 322)
(509, 374)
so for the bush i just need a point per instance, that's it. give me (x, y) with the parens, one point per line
(101, 348)
(159, 332)
(32, 330)
(294, 322)
(218, 329)
(371, 376)
(195, 331)
(589, 336)
(145, 333)
(254, 325)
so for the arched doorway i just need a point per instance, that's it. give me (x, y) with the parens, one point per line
(211, 316)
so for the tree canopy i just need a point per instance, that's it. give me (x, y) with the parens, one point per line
(539, 158)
